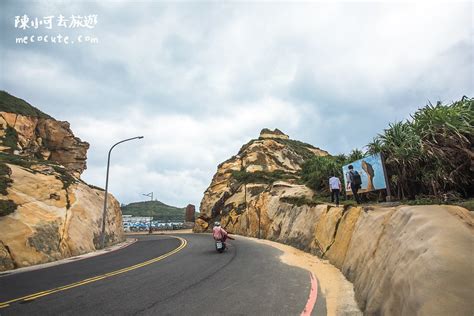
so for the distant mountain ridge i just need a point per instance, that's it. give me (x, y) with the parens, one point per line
(157, 209)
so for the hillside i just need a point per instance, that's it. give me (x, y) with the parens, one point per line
(47, 212)
(158, 209)
(12, 104)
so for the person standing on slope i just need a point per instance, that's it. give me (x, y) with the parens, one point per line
(353, 177)
(335, 187)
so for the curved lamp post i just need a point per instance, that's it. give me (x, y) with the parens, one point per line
(150, 195)
(107, 186)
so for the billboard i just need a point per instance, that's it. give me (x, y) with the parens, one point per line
(371, 172)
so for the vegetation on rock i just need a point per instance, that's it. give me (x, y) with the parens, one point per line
(5, 180)
(7, 207)
(261, 176)
(26, 162)
(298, 147)
(316, 171)
(18, 160)
(10, 139)
(431, 153)
(11, 104)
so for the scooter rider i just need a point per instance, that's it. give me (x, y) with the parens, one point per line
(219, 233)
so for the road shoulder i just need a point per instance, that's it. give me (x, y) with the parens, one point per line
(339, 292)
(128, 241)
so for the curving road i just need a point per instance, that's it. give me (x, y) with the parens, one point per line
(165, 275)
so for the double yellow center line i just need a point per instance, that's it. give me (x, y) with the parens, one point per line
(96, 278)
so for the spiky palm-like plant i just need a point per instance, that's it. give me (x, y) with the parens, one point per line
(447, 134)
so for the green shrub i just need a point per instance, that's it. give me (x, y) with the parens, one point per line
(316, 172)
(468, 204)
(430, 154)
(10, 139)
(17, 160)
(261, 176)
(298, 147)
(7, 207)
(5, 180)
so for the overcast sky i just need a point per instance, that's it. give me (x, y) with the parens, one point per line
(198, 79)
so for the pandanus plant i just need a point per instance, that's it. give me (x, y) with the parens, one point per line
(433, 152)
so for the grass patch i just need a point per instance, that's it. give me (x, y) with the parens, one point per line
(95, 187)
(7, 207)
(63, 175)
(298, 147)
(10, 139)
(424, 201)
(5, 180)
(11, 104)
(244, 147)
(18, 160)
(468, 204)
(316, 200)
(264, 177)
(299, 201)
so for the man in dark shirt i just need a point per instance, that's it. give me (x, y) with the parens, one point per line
(354, 186)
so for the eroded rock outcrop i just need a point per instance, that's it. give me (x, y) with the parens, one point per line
(404, 260)
(46, 211)
(240, 180)
(35, 134)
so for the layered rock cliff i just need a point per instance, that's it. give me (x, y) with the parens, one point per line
(404, 260)
(25, 131)
(46, 211)
(236, 186)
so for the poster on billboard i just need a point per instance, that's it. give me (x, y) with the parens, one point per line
(371, 171)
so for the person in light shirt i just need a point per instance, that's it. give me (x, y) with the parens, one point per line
(335, 187)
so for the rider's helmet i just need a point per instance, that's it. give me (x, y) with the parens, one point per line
(217, 224)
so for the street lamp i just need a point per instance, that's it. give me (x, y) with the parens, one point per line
(107, 186)
(151, 216)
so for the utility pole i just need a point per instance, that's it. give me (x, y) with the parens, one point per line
(151, 214)
(104, 212)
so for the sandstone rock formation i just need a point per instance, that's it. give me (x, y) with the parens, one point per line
(41, 137)
(240, 180)
(46, 211)
(405, 260)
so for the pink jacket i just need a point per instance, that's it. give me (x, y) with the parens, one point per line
(219, 233)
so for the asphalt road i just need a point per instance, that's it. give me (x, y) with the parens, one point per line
(247, 279)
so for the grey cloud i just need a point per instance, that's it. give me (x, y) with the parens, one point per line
(199, 80)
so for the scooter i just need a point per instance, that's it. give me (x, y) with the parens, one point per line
(220, 246)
